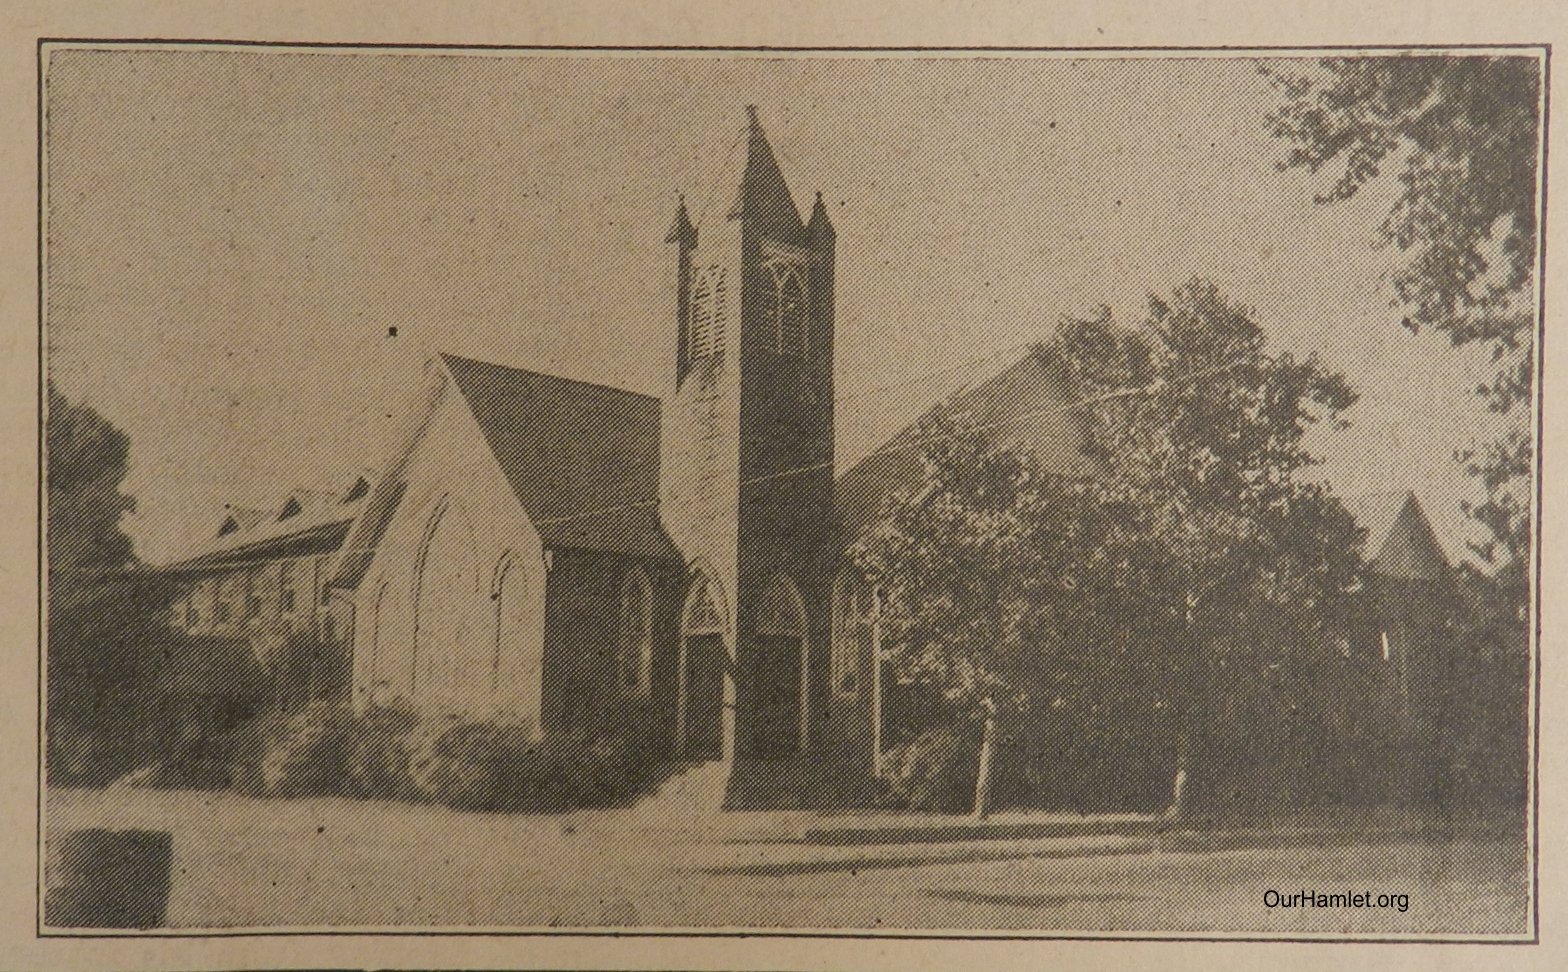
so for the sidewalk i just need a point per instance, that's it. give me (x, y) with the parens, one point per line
(866, 827)
(775, 844)
(796, 858)
(896, 828)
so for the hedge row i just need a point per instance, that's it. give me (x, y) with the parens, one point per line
(323, 749)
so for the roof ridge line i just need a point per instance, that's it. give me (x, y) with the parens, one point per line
(446, 355)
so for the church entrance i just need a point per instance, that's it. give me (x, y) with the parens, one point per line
(775, 690)
(706, 716)
(706, 659)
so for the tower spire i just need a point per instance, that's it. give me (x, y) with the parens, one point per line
(820, 228)
(764, 199)
(682, 231)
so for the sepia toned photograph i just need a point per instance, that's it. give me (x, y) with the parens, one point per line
(1060, 494)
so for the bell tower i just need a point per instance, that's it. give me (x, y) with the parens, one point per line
(746, 471)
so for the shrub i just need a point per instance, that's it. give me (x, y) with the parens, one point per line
(475, 765)
(600, 771)
(466, 764)
(322, 749)
(378, 760)
(301, 753)
(935, 771)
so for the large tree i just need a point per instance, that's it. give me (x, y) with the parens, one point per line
(106, 614)
(1198, 537)
(980, 566)
(1460, 135)
(1200, 429)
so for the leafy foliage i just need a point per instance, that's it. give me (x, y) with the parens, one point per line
(324, 749)
(934, 771)
(300, 753)
(384, 743)
(1200, 431)
(1463, 133)
(482, 765)
(1198, 538)
(108, 636)
(87, 458)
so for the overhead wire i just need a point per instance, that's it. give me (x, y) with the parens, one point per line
(917, 443)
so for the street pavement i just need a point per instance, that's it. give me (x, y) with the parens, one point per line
(333, 863)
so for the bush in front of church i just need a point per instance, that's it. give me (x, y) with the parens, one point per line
(324, 749)
(494, 766)
(385, 740)
(465, 764)
(935, 771)
(300, 753)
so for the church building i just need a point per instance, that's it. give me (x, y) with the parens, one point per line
(580, 558)
(574, 556)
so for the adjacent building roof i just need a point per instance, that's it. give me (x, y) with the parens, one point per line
(306, 522)
(1026, 403)
(241, 518)
(582, 459)
(1400, 540)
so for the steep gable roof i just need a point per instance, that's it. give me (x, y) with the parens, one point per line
(1400, 540)
(582, 459)
(744, 184)
(1026, 403)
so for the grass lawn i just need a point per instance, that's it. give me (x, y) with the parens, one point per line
(318, 863)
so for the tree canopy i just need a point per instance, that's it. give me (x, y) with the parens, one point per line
(1461, 133)
(87, 459)
(106, 615)
(1196, 537)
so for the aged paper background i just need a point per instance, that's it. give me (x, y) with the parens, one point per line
(705, 23)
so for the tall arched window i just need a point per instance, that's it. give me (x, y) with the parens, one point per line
(852, 617)
(446, 592)
(508, 661)
(634, 646)
(707, 312)
(789, 312)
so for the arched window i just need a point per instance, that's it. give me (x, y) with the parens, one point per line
(508, 590)
(634, 647)
(852, 617)
(447, 588)
(702, 610)
(707, 312)
(780, 611)
(789, 312)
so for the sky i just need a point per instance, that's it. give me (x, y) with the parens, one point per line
(232, 233)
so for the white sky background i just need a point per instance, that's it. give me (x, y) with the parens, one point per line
(232, 233)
